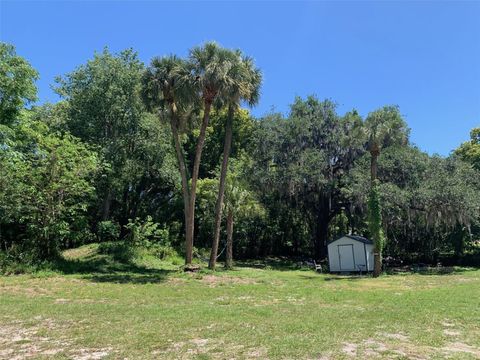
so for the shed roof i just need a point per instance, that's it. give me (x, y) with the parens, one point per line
(355, 237)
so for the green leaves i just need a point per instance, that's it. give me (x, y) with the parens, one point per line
(17, 83)
(104, 104)
(146, 233)
(46, 185)
(385, 127)
(470, 151)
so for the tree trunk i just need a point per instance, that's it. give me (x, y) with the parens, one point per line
(190, 224)
(221, 188)
(183, 174)
(321, 234)
(323, 240)
(374, 162)
(377, 256)
(107, 201)
(125, 211)
(377, 264)
(229, 255)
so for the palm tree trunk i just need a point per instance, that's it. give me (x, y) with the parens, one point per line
(183, 174)
(190, 224)
(374, 163)
(377, 255)
(377, 264)
(221, 188)
(229, 255)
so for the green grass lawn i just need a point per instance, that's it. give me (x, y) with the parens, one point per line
(97, 308)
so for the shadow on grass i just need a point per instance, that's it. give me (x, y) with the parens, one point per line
(349, 278)
(276, 263)
(429, 270)
(101, 268)
(156, 277)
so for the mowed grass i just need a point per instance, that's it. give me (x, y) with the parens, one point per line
(152, 310)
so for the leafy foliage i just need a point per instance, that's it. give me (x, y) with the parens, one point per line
(108, 231)
(470, 151)
(304, 159)
(17, 83)
(145, 233)
(100, 165)
(46, 187)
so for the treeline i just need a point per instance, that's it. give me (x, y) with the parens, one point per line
(166, 156)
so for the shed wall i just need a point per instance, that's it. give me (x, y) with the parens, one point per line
(359, 250)
(370, 262)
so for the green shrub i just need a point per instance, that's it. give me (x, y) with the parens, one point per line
(21, 262)
(163, 251)
(147, 233)
(80, 233)
(108, 231)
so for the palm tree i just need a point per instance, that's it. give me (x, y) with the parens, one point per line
(174, 85)
(239, 202)
(167, 89)
(210, 66)
(244, 85)
(383, 127)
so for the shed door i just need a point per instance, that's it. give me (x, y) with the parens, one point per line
(345, 254)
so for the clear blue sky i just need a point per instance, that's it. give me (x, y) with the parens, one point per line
(423, 56)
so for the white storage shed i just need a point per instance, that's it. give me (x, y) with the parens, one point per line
(350, 253)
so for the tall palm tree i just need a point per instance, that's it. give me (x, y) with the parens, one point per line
(383, 127)
(210, 66)
(167, 89)
(243, 85)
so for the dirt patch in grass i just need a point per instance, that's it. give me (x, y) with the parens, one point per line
(186, 349)
(458, 347)
(350, 349)
(260, 353)
(374, 348)
(448, 324)
(210, 348)
(28, 291)
(451, 332)
(395, 346)
(176, 281)
(213, 280)
(62, 301)
(91, 354)
(19, 341)
(397, 336)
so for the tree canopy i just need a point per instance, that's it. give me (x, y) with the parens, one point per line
(127, 150)
(17, 83)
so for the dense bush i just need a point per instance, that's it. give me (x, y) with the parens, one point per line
(45, 187)
(146, 233)
(108, 231)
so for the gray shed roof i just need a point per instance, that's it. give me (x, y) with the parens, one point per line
(355, 237)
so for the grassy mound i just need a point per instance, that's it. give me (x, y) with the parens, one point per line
(106, 257)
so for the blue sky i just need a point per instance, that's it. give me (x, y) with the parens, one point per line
(423, 56)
